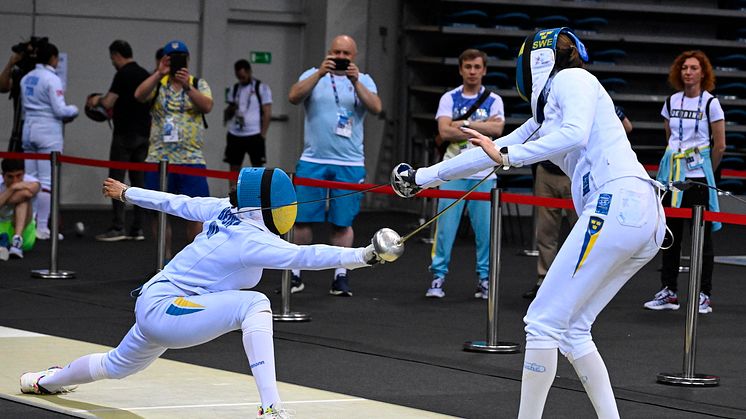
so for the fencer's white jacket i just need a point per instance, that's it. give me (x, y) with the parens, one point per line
(43, 96)
(234, 248)
(581, 134)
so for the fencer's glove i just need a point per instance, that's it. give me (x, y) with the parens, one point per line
(403, 182)
(370, 256)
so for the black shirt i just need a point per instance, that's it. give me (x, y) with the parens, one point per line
(130, 116)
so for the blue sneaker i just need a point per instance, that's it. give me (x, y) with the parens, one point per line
(341, 286)
(483, 289)
(296, 285)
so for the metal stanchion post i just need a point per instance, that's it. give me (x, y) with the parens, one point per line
(52, 272)
(533, 251)
(286, 315)
(688, 377)
(492, 345)
(163, 184)
(428, 208)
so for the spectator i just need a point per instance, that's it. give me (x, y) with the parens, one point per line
(177, 133)
(695, 128)
(45, 111)
(333, 147)
(17, 225)
(248, 114)
(129, 141)
(551, 182)
(469, 105)
(205, 291)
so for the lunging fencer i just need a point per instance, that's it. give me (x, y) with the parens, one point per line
(200, 294)
(621, 221)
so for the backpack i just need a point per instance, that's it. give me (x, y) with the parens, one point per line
(707, 114)
(195, 84)
(258, 96)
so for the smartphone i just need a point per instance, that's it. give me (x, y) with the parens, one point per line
(341, 63)
(178, 61)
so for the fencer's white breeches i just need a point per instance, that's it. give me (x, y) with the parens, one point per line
(41, 135)
(168, 318)
(619, 231)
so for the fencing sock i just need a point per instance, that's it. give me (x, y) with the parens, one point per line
(43, 207)
(257, 342)
(539, 369)
(83, 370)
(595, 378)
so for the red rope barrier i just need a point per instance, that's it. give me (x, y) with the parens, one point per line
(144, 167)
(23, 156)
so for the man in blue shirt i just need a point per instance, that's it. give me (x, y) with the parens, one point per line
(336, 97)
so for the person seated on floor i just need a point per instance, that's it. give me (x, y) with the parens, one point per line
(17, 193)
(204, 292)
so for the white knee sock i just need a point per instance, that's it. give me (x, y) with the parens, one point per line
(43, 208)
(595, 378)
(340, 271)
(83, 370)
(539, 369)
(257, 342)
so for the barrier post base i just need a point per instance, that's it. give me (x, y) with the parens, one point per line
(696, 380)
(683, 269)
(291, 317)
(529, 252)
(484, 347)
(46, 274)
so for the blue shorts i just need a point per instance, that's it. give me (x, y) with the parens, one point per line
(180, 184)
(342, 211)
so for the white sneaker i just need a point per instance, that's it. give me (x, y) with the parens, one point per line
(45, 234)
(273, 413)
(4, 253)
(704, 304)
(436, 288)
(664, 299)
(16, 249)
(483, 289)
(30, 382)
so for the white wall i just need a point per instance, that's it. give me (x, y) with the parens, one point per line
(218, 32)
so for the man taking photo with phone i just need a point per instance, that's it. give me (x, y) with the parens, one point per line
(179, 102)
(336, 97)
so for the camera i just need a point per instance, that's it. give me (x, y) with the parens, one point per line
(341, 63)
(28, 51)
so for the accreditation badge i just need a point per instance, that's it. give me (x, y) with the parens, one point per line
(344, 124)
(170, 132)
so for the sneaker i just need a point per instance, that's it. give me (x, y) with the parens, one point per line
(296, 285)
(704, 304)
(45, 234)
(112, 235)
(665, 299)
(531, 294)
(436, 288)
(4, 253)
(30, 382)
(16, 249)
(341, 286)
(136, 235)
(483, 289)
(273, 413)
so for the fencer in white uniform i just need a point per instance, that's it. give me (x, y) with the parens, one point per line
(621, 222)
(44, 108)
(202, 292)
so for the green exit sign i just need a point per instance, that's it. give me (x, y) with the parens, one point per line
(260, 57)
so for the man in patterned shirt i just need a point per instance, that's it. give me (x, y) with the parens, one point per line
(177, 133)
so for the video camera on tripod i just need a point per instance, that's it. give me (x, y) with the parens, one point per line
(28, 51)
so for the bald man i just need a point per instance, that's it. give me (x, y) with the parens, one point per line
(336, 97)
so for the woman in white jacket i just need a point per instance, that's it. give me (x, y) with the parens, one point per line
(621, 222)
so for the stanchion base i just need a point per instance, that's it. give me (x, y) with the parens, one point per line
(45, 274)
(500, 348)
(683, 269)
(427, 240)
(697, 380)
(528, 252)
(291, 317)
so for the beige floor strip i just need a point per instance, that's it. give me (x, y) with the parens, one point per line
(167, 389)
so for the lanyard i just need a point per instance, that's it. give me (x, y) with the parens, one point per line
(248, 97)
(696, 118)
(336, 96)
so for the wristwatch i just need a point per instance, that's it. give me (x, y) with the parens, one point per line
(466, 123)
(504, 155)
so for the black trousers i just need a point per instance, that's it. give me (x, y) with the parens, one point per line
(133, 148)
(696, 195)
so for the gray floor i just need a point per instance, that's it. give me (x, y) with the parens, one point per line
(389, 343)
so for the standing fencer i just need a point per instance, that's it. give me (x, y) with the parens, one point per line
(199, 295)
(621, 221)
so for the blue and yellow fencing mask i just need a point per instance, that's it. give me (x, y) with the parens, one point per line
(536, 66)
(272, 191)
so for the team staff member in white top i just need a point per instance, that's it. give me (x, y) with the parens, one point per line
(695, 128)
(200, 294)
(248, 114)
(621, 222)
(45, 112)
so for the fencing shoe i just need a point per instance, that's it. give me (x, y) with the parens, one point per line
(30, 382)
